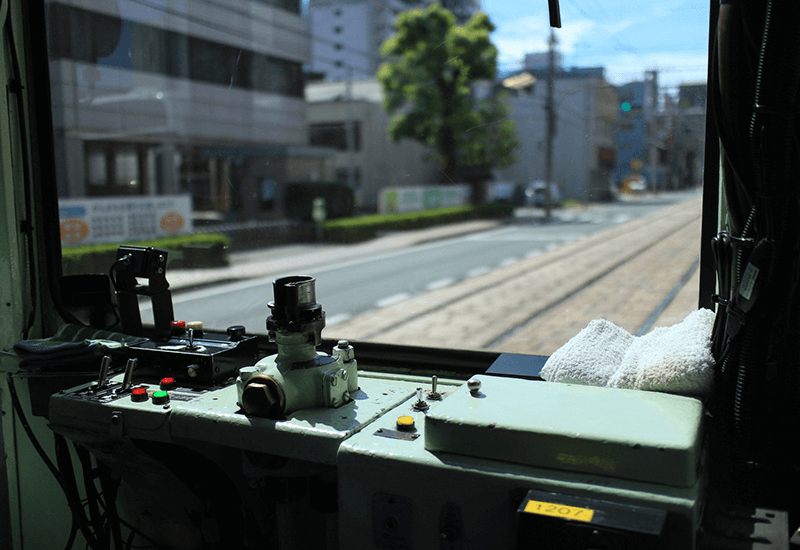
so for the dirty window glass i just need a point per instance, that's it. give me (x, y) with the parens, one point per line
(536, 180)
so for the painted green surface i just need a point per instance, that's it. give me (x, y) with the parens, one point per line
(645, 436)
(486, 492)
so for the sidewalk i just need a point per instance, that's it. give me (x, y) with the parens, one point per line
(293, 259)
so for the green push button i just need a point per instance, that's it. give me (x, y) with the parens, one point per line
(160, 397)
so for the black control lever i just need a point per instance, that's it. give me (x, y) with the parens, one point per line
(145, 263)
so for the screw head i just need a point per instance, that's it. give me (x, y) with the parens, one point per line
(474, 386)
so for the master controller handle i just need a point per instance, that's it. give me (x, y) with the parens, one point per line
(295, 309)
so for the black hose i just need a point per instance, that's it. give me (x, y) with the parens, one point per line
(110, 489)
(71, 491)
(772, 138)
(91, 490)
(73, 532)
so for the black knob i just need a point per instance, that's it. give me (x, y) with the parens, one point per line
(236, 333)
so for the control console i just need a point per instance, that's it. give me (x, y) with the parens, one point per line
(207, 361)
(302, 449)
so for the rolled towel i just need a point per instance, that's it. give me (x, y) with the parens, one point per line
(591, 357)
(674, 359)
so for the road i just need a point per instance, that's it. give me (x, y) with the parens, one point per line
(347, 288)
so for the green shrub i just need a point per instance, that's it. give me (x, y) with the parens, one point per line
(199, 250)
(350, 230)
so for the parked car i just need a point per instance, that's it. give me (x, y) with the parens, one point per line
(536, 194)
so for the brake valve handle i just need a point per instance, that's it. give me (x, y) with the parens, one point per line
(298, 376)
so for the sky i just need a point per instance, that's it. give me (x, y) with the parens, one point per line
(624, 36)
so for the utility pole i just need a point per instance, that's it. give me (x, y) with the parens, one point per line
(652, 132)
(551, 125)
(349, 130)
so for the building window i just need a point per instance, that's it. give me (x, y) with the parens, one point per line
(337, 12)
(337, 29)
(114, 169)
(126, 169)
(97, 168)
(337, 46)
(342, 176)
(334, 135)
(606, 157)
(84, 37)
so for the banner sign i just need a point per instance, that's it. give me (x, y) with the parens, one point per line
(123, 219)
(414, 199)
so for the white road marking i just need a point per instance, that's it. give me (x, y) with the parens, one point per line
(393, 299)
(478, 271)
(490, 235)
(339, 318)
(441, 283)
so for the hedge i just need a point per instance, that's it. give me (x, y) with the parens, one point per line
(200, 250)
(350, 230)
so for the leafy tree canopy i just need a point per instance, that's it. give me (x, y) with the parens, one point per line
(428, 82)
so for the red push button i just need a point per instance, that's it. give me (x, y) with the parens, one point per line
(168, 383)
(139, 394)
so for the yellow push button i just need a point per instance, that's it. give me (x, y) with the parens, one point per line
(405, 423)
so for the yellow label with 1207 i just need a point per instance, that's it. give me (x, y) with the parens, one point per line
(559, 510)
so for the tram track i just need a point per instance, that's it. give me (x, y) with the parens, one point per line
(488, 311)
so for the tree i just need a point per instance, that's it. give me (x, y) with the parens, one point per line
(428, 86)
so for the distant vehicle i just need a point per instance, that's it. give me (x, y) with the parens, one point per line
(637, 184)
(507, 192)
(536, 194)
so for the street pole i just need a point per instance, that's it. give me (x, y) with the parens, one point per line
(349, 130)
(551, 125)
(652, 131)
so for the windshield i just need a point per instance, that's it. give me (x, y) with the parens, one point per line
(460, 178)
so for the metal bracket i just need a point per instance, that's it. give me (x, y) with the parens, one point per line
(334, 387)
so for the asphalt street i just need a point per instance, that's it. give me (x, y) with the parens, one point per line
(347, 287)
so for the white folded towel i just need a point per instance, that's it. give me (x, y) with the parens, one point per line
(674, 359)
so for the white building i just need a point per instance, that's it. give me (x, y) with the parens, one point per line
(372, 162)
(584, 146)
(346, 35)
(202, 97)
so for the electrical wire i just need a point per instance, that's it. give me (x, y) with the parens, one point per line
(126, 260)
(78, 517)
(73, 532)
(15, 86)
(89, 486)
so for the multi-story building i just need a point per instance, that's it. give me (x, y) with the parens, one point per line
(203, 97)
(689, 134)
(639, 147)
(661, 145)
(366, 158)
(584, 143)
(346, 35)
